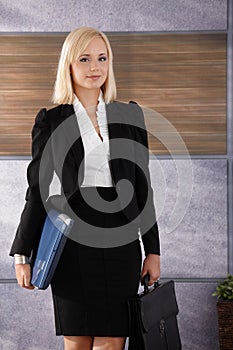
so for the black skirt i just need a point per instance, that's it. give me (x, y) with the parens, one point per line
(93, 282)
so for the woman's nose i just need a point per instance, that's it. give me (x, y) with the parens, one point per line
(94, 66)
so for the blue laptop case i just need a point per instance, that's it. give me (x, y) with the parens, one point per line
(53, 238)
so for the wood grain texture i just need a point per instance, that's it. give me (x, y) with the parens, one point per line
(180, 76)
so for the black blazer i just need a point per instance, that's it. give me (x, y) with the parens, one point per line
(56, 132)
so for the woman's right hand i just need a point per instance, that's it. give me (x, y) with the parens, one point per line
(23, 275)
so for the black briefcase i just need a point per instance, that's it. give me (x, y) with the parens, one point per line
(153, 318)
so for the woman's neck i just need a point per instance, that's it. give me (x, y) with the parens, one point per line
(88, 98)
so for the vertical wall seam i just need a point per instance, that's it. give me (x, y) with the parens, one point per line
(230, 216)
(230, 133)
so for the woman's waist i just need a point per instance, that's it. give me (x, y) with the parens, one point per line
(94, 195)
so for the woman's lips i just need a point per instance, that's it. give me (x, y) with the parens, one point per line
(94, 77)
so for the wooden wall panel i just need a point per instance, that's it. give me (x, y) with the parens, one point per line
(181, 76)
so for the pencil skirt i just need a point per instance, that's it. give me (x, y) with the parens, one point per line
(93, 282)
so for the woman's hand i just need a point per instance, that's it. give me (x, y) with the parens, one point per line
(151, 266)
(23, 275)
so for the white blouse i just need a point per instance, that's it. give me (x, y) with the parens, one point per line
(96, 151)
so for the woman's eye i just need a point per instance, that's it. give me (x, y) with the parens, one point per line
(102, 59)
(83, 59)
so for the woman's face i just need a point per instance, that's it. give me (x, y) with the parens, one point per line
(90, 70)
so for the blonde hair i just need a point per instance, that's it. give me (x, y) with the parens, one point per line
(73, 46)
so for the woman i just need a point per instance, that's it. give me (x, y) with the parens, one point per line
(95, 276)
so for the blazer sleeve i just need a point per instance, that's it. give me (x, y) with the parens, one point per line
(32, 218)
(144, 191)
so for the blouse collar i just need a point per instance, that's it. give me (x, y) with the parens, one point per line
(82, 116)
(78, 105)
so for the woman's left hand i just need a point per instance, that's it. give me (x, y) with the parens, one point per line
(151, 266)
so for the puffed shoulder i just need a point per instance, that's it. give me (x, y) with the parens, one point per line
(41, 119)
(139, 112)
(45, 115)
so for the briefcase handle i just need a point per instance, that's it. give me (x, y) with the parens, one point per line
(145, 282)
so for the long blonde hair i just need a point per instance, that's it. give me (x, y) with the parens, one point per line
(73, 46)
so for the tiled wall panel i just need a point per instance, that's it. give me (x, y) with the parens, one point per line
(12, 192)
(27, 318)
(196, 247)
(108, 15)
(13, 185)
(198, 316)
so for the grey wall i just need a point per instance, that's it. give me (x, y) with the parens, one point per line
(108, 15)
(195, 251)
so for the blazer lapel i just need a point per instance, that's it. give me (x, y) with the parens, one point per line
(73, 136)
(114, 127)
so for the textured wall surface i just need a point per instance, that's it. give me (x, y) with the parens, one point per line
(12, 186)
(202, 230)
(108, 15)
(198, 316)
(27, 318)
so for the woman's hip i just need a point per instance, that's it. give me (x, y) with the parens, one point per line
(99, 219)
